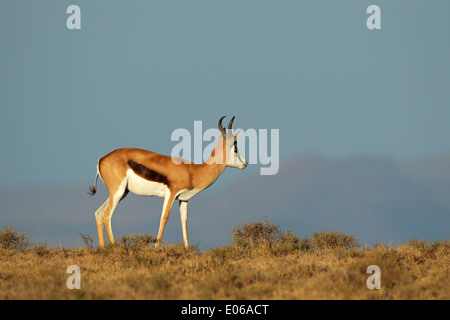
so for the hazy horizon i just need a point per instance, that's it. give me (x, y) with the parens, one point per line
(376, 199)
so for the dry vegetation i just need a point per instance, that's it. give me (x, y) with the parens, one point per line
(263, 262)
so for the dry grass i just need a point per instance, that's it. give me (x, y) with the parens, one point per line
(330, 265)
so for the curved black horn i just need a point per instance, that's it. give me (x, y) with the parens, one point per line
(222, 130)
(231, 123)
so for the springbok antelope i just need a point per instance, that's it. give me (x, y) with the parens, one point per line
(147, 173)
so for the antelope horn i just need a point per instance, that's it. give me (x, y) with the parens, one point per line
(231, 123)
(222, 130)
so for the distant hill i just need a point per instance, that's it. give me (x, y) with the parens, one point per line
(377, 199)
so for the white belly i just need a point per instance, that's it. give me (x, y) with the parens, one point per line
(143, 187)
(186, 195)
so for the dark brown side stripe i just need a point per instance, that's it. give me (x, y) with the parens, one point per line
(147, 173)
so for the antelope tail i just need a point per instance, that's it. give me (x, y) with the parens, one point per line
(93, 188)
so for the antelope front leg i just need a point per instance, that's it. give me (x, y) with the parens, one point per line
(183, 215)
(168, 201)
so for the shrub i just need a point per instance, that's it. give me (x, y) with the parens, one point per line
(12, 239)
(333, 240)
(42, 250)
(87, 240)
(134, 240)
(267, 234)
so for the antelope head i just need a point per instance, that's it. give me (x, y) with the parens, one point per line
(228, 153)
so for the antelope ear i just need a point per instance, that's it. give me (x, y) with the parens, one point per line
(240, 131)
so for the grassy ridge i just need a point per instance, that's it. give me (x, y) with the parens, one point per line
(263, 262)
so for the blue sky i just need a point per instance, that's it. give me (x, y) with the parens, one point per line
(137, 70)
